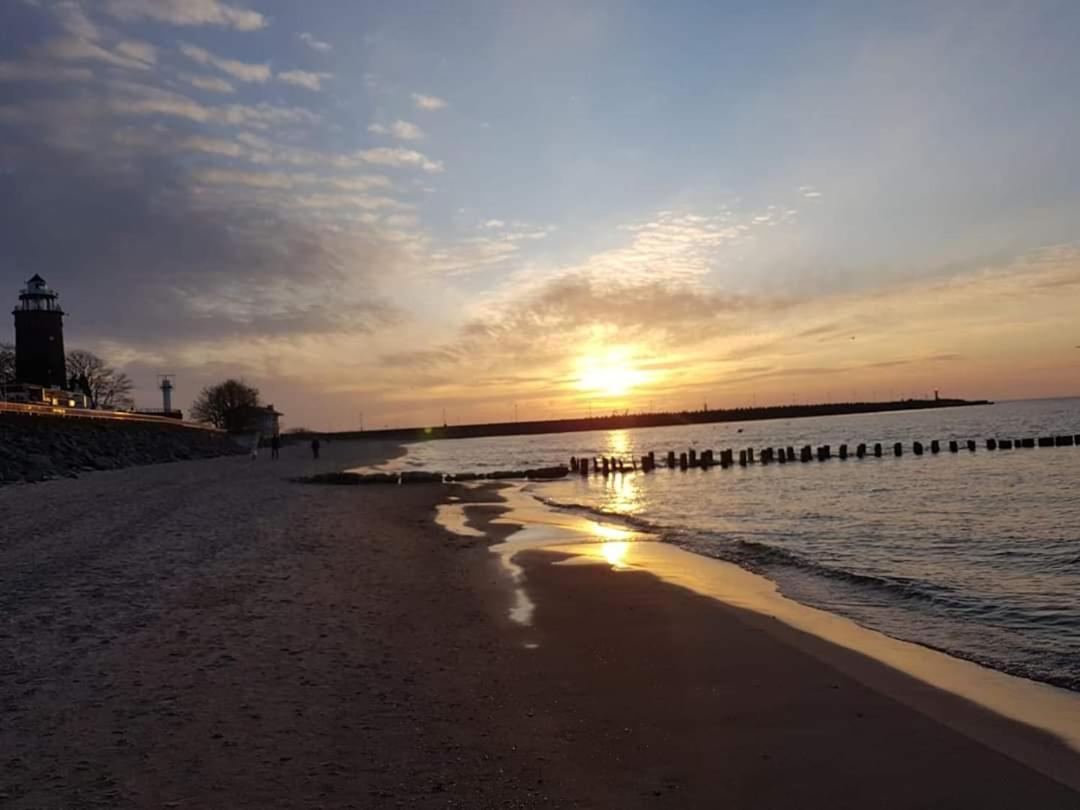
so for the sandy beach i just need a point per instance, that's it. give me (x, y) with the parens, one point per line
(209, 635)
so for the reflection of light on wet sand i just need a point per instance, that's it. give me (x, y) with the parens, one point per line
(615, 553)
(451, 516)
(611, 553)
(546, 528)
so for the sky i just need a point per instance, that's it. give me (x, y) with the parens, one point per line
(392, 214)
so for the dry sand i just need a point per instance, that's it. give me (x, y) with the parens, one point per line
(209, 635)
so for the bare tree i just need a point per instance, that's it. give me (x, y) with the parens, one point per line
(7, 364)
(225, 405)
(103, 385)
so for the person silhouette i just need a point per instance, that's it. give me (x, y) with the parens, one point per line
(275, 446)
(315, 448)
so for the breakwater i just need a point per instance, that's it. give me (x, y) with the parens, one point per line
(695, 459)
(39, 447)
(692, 458)
(627, 421)
(425, 477)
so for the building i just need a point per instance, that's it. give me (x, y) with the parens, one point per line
(40, 364)
(39, 337)
(259, 419)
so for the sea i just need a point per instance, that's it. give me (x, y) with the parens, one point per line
(975, 554)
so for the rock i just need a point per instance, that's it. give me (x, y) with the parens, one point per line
(379, 478)
(547, 473)
(42, 447)
(332, 478)
(38, 460)
(417, 477)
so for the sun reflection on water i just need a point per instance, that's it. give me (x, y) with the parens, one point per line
(618, 443)
(623, 494)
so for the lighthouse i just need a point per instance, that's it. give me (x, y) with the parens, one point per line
(39, 336)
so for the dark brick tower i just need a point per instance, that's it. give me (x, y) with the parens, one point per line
(39, 336)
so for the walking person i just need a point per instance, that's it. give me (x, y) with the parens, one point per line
(255, 446)
(275, 446)
(315, 448)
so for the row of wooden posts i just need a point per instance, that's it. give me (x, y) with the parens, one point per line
(784, 455)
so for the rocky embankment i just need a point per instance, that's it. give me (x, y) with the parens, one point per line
(421, 477)
(39, 448)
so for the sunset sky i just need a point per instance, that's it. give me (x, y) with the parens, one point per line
(392, 209)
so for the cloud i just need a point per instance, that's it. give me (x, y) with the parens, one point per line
(399, 158)
(42, 72)
(562, 317)
(242, 178)
(364, 202)
(303, 78)
(243, 71)
(143, 100)
(74, 49)
(210, 146)
(809, 191)
(312, 185)
(211, 84)
(493, 223)
(141, 51)
(313, 43)
(74, 20)
(428, 102)
(399, 129)
(199, 269)
(677, 246)
(187, 13)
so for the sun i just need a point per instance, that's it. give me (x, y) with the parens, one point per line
(612, 374)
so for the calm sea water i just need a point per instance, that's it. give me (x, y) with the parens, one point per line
(976, 554)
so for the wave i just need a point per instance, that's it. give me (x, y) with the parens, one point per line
(757, 556)
(763, 558)
(630, 521)
(791, 572)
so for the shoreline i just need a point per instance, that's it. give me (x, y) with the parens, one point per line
(1010, 714)
(208, 634)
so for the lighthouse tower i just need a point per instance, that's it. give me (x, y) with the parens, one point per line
(39, 336)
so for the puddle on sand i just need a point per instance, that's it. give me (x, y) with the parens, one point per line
(608, 543)
(451, 516)
(541, 527)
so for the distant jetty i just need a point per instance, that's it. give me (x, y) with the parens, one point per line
(641, 420)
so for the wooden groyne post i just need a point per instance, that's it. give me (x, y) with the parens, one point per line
(610, 465)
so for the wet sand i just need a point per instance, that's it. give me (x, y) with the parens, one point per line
(209, 635)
